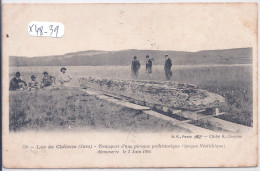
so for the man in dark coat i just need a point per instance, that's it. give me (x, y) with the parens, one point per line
(149, 65)
(16, 83)
(135, 67)
(167, 67)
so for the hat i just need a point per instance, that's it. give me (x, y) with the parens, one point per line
(62, 69)
(33, 76)
(147, 56)
(166, 55)
(45, 72)
(17, 74)
(135, 57)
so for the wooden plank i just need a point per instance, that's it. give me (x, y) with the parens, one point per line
(194, 115)
(226, 125)
(90, 92)
(182, 124)
(218, 123)
(217, 113)
(163, 117)
(116, 101)
(186, 114)
(127, 104)
(102, 97)
(215, 122)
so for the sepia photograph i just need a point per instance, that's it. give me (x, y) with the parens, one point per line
(129, 81)
(137, 90)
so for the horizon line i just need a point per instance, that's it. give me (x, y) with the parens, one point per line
(130, 49)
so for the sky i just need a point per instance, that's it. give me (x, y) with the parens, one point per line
(181, 27)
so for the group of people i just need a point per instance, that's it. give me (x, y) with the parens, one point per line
(149, 63)
(47, 80)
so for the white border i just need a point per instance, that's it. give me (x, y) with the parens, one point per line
(119, 1)
(154, 1)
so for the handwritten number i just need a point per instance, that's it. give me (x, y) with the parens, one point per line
(40, 30)
(56, 30)
(50, 27)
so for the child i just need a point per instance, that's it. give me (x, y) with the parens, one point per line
(47, 80)
(33, 84)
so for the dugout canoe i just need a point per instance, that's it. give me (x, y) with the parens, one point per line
(169, 94)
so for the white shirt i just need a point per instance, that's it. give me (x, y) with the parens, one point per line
(64, 77)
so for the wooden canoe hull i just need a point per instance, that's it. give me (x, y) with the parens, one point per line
(169, 94)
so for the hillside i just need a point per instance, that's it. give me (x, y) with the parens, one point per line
(124, 57)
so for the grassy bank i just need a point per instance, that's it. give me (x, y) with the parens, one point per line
(74, 110)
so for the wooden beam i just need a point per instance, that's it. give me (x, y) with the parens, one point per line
(226, 125)
(183, 124)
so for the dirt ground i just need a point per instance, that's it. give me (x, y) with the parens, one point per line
(73, 109)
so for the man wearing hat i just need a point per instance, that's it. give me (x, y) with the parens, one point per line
(33, 84)
(16, 83)
(64, 78)
(167, 67)
(135, 67)
(149, 65)
(47, 80)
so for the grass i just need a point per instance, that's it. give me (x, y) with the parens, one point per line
(74, 110)
(47, 110)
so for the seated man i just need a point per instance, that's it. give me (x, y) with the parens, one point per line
(47, 80)
(16, 83)
(33, 84)
(64, 78)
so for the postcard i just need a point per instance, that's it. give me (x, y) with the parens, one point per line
(129, 85)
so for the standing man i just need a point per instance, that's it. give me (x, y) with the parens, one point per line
(64, 78)
(16, 83)
(149, 65)
(167, 67)
(135, 67)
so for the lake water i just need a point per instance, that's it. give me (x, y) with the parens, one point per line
(194, 74)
